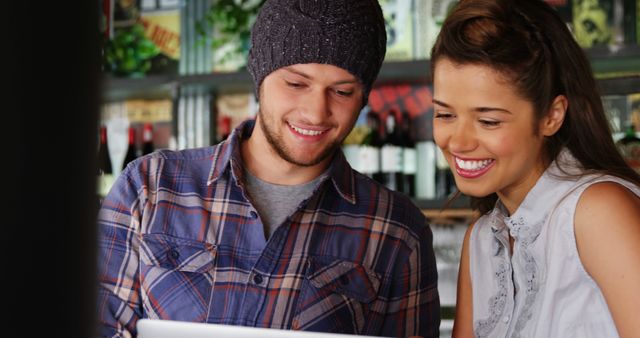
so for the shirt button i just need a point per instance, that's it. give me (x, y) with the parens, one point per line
(173, 253)
(253, 214)
(257, 278)
(505, 319)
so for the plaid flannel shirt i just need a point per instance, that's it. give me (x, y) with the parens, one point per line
(180, 240)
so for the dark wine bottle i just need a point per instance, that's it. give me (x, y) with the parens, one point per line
(105, 170)
(132, 150)
(392, 161)
(369, 148)
(104, 160)
(409, 156)
(147, 139)
(445, 181)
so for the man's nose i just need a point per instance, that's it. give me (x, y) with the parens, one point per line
(316, 107)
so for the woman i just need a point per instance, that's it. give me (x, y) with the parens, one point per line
(517, 114)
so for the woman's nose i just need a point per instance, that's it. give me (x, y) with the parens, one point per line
(463, 138)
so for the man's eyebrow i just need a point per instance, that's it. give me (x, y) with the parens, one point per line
(297, 72)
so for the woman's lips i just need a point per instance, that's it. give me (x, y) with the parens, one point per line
(468, 168)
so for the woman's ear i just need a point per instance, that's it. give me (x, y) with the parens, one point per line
(552, 122)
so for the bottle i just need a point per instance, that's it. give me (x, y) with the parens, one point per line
(377, 141)
(104, 160)
(445, 182)
(426, 169)
(369, 149)
(105, 170)
(391, 154)
(147, 139)
(629, 147)
(132, 151)
(409, 156)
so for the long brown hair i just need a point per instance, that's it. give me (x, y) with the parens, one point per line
(527, 41)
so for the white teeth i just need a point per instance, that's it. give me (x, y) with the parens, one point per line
(306, 131)
(472, 165)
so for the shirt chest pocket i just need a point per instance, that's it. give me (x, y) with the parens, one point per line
(176, 277)
(337, 296)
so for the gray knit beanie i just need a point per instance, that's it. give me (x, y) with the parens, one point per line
(349, 34)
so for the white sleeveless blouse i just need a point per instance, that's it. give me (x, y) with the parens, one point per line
(542, 290)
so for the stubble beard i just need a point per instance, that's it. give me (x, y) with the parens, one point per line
(278, 145)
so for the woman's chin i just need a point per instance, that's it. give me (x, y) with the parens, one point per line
(477, 193)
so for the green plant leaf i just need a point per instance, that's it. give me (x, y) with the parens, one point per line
(231, 21)
(129, 52)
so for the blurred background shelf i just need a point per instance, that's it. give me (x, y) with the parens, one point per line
(446, 211)
(616, 72)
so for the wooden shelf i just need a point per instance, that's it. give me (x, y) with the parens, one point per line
(444, 211)
(451, 216)
(617, 71)
(622, 85)
(460, 202)
(609, 62)
(148, 87)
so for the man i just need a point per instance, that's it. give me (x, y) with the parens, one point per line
(272, 228)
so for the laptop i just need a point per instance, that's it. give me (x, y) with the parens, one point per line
(154, 328)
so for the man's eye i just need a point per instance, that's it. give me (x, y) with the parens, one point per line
(294, 84)
(344, 93)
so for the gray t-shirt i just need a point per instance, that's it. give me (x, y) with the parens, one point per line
(275, 202)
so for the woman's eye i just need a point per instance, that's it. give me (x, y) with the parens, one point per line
(490, 123)
(443, 115)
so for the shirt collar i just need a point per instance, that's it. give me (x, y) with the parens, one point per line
(342, 177)
(526, 223)
(227, 155)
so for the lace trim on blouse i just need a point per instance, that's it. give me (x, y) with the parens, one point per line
(525, 236)
(497, 302)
